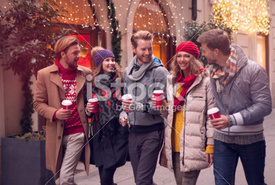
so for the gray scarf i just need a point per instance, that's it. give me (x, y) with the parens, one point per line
(136, 75)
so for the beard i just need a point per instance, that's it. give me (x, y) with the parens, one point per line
(72, 63)
(211, 61)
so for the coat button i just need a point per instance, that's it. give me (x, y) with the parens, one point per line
(59, 137)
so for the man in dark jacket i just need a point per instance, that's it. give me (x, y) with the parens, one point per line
(142, 76)
(241, 90)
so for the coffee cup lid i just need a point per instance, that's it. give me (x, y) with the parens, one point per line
(126, 97)
(158, 91)
(213, 110)
(93, 100)
(66, 102)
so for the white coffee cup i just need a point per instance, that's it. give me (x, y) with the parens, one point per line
(66, 104)
(214, 113)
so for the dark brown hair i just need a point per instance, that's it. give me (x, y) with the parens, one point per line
(216, 39)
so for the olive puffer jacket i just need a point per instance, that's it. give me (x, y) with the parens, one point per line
(197, 130)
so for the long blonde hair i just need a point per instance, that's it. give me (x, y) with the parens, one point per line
(175, 70)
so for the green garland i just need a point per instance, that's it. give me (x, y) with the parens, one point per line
(116, 34)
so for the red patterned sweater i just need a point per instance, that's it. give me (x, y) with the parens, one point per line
(68, 76)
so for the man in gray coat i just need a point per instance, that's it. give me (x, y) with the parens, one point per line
(142, 76)
(241, 90)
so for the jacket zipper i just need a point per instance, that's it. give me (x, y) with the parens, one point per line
(184, 125)
(184, 117)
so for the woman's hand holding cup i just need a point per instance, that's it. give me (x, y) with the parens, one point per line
(92, 105)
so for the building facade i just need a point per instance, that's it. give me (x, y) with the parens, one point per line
(165, 18)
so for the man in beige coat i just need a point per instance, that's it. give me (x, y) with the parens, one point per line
(66, 129)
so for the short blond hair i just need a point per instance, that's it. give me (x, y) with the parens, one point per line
(143, 35)
(63, 44)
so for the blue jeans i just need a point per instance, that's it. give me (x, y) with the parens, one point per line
(226, 157)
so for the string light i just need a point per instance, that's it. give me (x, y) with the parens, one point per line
(245, 15)
(150, 15)
(79, 13)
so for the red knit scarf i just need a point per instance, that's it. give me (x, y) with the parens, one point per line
(184, 83)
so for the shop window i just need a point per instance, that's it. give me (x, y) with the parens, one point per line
(261, 50)
(80, 17)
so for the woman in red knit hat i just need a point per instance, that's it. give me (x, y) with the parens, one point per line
(188, 133)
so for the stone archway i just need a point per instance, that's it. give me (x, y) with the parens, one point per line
(164, 41)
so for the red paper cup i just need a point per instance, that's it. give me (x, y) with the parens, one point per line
(66, 104)
(127, 97)
(214, 113)
(158, 94)
(94, 102)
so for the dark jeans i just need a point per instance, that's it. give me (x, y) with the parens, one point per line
(106, 175)
(144, 149)
(226, 157)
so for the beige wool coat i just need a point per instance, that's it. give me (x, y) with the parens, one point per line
(49, 93)
(197, 130)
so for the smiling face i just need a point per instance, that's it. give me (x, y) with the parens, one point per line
(108, 64)
(71, 57)
(183, 60)
(208, 54)
(143, 51)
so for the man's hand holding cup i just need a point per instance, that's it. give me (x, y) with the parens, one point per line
(157, 99)
(126, 102)
(218, 121)
(65, 112)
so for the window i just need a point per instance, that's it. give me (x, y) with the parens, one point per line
(150, 16)
(261, 50)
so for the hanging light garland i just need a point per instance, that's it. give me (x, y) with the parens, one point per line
(79, 12)
(245, 15)
(150, 15)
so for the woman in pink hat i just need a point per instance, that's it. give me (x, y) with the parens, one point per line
(188, 134)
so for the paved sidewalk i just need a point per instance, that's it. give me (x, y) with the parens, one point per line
(124, 175)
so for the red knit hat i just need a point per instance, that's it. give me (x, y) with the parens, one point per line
(189, 47)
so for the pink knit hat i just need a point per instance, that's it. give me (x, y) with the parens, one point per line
(189, 47)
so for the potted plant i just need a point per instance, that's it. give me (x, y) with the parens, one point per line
(27, 36)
